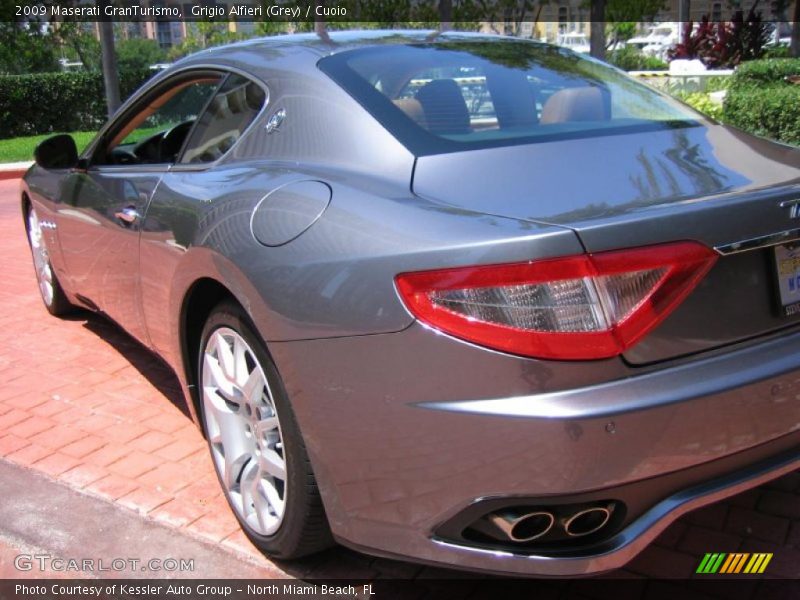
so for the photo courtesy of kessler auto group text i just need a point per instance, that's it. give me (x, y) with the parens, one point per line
(399, 299)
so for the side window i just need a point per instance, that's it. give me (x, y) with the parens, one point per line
(231, 111)
(155, 134)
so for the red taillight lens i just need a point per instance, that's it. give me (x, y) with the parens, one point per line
(574, 308)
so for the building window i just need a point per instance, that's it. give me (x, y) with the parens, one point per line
(164, 34)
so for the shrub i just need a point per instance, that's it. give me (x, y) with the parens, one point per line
(715, 84)
(139, 54)
(770, 111)
(782, 51)
(629, 58)
(702, 101)
(762, 101)
(723, 45)
(66, 101)
(757, 73)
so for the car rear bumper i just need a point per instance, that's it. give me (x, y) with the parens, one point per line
(406, 431)
(613, 553)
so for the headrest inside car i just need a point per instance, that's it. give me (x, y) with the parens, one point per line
(575, 104)
(413, 110)
(444, 107)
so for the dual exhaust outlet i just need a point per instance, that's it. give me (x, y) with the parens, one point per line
(526, 526)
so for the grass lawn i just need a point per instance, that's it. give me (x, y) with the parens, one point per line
(21, 148)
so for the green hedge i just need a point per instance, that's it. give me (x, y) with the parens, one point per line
(760, 72)
(772, 112)
(47, 102)
(702, 101)
(761, 101)
(629, 58)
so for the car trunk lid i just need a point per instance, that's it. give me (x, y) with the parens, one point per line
(711, 184)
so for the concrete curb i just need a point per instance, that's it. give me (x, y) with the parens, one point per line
(14, 170)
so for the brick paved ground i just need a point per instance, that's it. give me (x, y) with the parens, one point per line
(84, 404)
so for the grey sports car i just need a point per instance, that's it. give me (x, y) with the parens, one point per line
(460, 299)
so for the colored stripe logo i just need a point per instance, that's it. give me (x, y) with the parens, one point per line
(734, 563)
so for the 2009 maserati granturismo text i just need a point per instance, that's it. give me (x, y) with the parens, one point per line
(464, 300)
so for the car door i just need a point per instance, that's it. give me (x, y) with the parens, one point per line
(103, 205)
(202, 182)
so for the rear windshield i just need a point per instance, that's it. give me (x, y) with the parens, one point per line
(460, 95)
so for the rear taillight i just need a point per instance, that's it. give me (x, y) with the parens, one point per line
(575, 308)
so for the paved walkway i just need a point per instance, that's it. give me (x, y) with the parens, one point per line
(38, 536)
(82, 403)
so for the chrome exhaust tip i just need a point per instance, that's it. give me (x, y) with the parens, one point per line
(587, 521)
(524, 527)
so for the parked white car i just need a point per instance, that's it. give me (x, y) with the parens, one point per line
(577, 42)
(660, 38)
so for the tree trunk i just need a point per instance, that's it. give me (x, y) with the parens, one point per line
(597, 32)
(76, 46)
(109, 59)
(320, 26)
(683, 11)
(796, 30)
(445, 15)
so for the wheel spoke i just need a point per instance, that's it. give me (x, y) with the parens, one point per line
(240, 372)
(265, 426)
(224, 356)
(273, 497)
(249, 487)
(213, 369)
(236, 449)
(261, 505)
(253, 388)
(212, 422)
(235, 460)
(272, 463)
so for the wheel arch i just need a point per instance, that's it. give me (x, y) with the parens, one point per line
(198, 302)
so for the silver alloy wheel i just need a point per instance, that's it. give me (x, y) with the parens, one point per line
(244, 431)
(41, 260)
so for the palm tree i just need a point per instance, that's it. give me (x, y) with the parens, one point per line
(597, 31)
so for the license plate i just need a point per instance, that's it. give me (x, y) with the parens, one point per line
(787, 262)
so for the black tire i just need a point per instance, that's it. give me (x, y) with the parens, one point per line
(304, 528)
(57, 303)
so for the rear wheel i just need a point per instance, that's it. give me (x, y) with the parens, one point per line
(256, 446)
(53, 296)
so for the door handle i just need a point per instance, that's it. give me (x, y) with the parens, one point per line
(128, 215)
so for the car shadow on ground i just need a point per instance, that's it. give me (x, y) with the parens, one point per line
(148, 364)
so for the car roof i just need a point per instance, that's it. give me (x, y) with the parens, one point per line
(303, 51)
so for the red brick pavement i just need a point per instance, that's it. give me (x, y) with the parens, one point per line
(88, 406)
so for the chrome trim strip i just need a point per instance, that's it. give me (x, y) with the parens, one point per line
(764, 241)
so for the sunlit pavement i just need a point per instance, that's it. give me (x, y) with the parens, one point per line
(52, 530)
(88, 407)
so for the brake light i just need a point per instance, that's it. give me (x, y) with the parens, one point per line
(574, 308)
